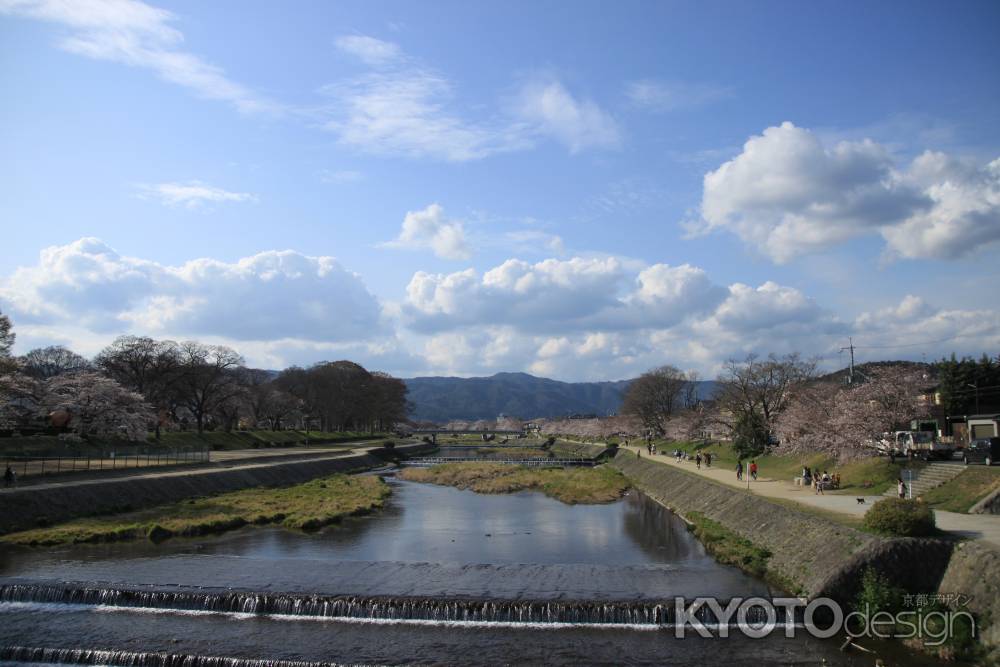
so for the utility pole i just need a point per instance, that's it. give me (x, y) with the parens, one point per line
(850, 373)
(976, 387)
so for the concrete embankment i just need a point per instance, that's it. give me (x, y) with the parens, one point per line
(31, 507)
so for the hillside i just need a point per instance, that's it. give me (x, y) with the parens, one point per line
(440, 399)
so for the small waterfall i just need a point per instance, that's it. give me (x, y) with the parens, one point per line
(359, 607)
(76, 656)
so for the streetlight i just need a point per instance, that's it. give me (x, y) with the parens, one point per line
(976, 387)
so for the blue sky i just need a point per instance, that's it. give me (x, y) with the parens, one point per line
(577, 190)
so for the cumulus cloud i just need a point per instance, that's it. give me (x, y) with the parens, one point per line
(429, 228)
(787, 194)
(140, 35)
(267, 296)
(654, 95)
(598, 293)
(192, 194)
(578, 123)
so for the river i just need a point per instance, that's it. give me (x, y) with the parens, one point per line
(440, 576)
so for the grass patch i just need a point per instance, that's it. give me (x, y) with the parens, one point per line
(962, 492)
(600, 484)
(304, 506)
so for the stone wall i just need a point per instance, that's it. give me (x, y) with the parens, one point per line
(33, 506)
(816, 555)
(988, 505)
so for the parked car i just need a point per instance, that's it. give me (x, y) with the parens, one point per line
(983, 450)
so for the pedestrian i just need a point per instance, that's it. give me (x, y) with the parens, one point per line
(818, 484)
(8, 476)
(649, 447)
(697, 461)
(739, 470)
(900, 487)
(753, 470)
(892, 456)
(638, 453)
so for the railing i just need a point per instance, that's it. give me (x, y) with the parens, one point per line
(32, 466)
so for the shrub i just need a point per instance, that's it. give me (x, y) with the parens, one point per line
(389, 444)
(900, 517)
(876, 593)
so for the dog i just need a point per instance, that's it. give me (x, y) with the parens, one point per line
(861, 501)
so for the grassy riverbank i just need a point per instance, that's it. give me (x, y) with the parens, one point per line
(962, 492)
(569, 485)
(304, 506)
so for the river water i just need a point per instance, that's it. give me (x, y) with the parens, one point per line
(441, 576)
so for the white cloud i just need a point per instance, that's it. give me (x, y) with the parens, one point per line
(369, 50)
(140, 35)
(192, 194)
(965, 213)
(786, 195)
(550, 109)
(401, 107)
(267, 296)
(573, 294)
(653, 95)
(429, 228)
(405, 112)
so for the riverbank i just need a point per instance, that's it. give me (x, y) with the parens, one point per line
(44, 505)
(305, 506)
(601, 484)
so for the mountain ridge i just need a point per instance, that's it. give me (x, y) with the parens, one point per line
(443, 398)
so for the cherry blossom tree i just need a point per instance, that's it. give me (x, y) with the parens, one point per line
(97, 406)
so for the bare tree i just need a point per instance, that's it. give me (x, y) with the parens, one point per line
(206, 378)
(656, 396)
(752, 394)
(146, 366)
(47, 362)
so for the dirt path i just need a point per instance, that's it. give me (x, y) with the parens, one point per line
(985, 527)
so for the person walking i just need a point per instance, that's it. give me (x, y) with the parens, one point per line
(753, 470)
(697, 461)
(900, 487)
(708, 459)
(8, 476)
(739, 470)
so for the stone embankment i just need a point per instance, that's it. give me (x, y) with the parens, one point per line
(34, 506)
(818, 557)
(988, 505)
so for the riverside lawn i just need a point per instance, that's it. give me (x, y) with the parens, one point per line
(307, 506)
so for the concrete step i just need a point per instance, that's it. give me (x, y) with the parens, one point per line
(929, 477)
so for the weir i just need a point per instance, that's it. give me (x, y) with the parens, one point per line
(597, 612)
(72, 656)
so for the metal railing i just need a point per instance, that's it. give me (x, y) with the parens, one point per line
(437, 460)
(31, 466)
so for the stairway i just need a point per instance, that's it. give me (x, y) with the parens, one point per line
(932, 475)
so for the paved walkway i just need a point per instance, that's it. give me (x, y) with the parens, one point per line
(985, 527)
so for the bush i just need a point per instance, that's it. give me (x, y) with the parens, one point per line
(389, 444)
(900, 517)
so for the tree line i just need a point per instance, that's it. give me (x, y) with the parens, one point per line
(781, 401)
(138, 384)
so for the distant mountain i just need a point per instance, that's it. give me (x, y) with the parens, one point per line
(440, 399)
